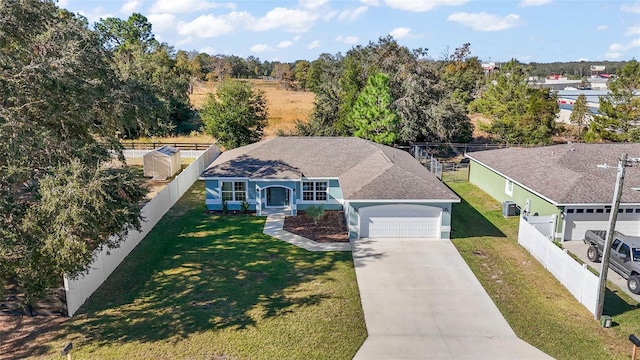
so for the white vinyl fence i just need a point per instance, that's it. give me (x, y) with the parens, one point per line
(580, 282)
(190, 154)
(78, 290)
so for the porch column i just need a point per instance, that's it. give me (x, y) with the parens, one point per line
(258, 201)
(294, 208)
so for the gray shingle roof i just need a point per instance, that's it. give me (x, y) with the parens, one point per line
(567, 173)
(365, 170)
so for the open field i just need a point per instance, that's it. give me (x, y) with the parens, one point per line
(284, 106)
(209, 287)
(538, 308)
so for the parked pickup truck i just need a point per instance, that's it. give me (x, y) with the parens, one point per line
(625, 255)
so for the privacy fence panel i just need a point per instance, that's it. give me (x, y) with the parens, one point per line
(580, 282)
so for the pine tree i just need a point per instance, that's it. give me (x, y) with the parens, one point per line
(372, 114)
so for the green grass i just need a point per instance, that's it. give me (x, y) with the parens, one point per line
(538, 308)
(210, 287)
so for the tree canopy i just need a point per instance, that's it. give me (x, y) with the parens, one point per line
(61, 197)
(519, 113)
(427, 107)
(618, 117)
(236, 114)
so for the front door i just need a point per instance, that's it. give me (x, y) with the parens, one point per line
(277, 197)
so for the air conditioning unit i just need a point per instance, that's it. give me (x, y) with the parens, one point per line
(509, 208)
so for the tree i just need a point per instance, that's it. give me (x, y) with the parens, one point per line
(580, 115)
(372, 114)
(236, 115)
(414, 85)
(60, 110)
(302, 73)
(518, 112)
(156, 87)
(618, 117)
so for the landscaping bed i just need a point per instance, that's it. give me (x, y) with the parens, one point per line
(330, 228)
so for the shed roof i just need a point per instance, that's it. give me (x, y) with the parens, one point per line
(166, 150)
(365, 170)
(567, 173)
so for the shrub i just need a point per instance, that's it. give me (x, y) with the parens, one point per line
(225, 207)
(316, 212)
(244, 207)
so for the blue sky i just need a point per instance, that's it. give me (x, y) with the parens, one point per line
(498, 30)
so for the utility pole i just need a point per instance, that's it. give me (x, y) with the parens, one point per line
(615, 205)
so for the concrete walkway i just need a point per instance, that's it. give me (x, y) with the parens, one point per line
(421, 301)
(274, 224)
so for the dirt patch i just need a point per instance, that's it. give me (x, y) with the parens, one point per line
(22, 336)
(330, 228)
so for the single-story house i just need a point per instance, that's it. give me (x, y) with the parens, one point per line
(383, 191)
(569, 181)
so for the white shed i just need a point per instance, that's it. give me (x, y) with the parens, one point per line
(161, 163)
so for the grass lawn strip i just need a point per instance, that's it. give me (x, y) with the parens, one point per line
(203, 286)
(538, 308)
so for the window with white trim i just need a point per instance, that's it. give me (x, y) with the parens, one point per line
(234, 191)
(508, 187)
(314, 190)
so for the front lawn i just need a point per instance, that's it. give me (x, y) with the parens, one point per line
(215, 287)
(538, 308)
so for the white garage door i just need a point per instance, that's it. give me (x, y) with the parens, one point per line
(412, 221)
(577, 224)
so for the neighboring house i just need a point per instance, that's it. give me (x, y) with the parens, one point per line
(383, 191)
(566, 180)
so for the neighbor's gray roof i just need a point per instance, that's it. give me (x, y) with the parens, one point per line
(365, 170)
(567, 173)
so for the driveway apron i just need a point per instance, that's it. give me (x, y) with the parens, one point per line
(421, 301)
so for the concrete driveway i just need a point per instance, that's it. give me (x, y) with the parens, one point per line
(579, 249)
(421, 301)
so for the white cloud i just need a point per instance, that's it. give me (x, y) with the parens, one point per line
(63, 3)
(632, 30)
(186, 6)
(422, 5)
(613, 55)
(207, 26)
(602, 27)
(631, 8)
(258, 48)
(297, 38)
(284, 44)
(526, 3)
(209, 50)
(313, 4)
(288, 19)
(130, 7)
(162, 22)
(485, 22)
(370, 2)
(583, 59)
(347, 39)
(399, 33)
(352, 15)
(313, 44)
(617, 50)
(616, 47)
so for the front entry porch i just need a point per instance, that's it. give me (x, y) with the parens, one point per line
(275, 200)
